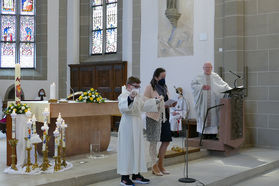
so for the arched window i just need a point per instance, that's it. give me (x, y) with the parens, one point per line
(104, 27)
(17, 33)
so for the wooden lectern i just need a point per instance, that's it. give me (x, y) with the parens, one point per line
(231, 125)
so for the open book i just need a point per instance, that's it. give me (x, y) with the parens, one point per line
(170, 102)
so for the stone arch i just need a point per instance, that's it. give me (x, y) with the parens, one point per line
(10, 93)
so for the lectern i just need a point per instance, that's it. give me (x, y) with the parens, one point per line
(231, 124)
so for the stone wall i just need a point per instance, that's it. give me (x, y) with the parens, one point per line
(248, 33)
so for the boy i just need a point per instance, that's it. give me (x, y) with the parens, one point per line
(130, 154)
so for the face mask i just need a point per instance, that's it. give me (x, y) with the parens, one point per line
(162, 82)
(137, 90)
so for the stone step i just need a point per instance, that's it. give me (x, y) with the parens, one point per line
(109, 174)
(218, 170)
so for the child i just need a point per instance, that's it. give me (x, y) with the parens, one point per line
(131, 156)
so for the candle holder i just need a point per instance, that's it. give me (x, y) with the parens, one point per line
(45, 165)
(59, 158)
(35, 165)
(28, 164)
(13, 143)
(56, 164)
(63, 157)
(52, 100)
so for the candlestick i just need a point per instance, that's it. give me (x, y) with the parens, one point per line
(28, 164)
(17, 84)
(35, 165)
(52, 91)
(45, 165)
(13, 143)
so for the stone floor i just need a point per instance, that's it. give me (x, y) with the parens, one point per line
(210, 170)
(221, 171)
(268, 179)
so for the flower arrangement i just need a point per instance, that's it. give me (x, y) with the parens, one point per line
(18, 108)
(91, 96)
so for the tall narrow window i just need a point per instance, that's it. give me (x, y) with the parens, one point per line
(17, 33)
(104, 27)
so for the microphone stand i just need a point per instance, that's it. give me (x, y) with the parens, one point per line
(186, 179)
(205, 120)
(73, 93)
(238, 77)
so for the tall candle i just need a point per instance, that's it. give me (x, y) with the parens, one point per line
(52, 91)
(29, 123)
(13, 115)
(56, 134)
(45, 129)
(17, 84)
(64, 126)
(34, 124)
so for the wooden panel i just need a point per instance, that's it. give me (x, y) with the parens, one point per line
(86, 78)
(9, 136)
(75, 79)
(106, 77)
(83, 109)
(80, 134)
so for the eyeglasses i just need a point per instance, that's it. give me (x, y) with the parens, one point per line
(136, 86)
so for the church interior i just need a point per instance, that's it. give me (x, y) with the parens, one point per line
(65, 65)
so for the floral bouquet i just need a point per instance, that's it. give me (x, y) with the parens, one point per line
(18, 108)
(91, 96)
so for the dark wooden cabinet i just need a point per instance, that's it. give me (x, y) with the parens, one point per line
(106, 77)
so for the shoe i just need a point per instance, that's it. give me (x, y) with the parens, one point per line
(164, 171)
(157, 172)
(138, 178)
(126, 181)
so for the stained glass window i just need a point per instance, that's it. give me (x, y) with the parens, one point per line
(104, 27)
(8, 7)
(17, 33)
(27, 7)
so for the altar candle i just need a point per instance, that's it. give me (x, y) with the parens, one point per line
(17, 83)
(44, 141)
(29, 123)
(34, 124)
(52, 91)
(13, 115)
(64, 126)
(45, 130)
(56, 134)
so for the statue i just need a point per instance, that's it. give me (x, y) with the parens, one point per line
(171, 4)
(172, 12)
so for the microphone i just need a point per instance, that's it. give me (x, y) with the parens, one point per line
(235, 74)
(72, 91)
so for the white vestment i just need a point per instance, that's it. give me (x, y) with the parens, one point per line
(217, 86)
(130, 153)
(182, 108)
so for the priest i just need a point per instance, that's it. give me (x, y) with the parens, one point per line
(130, 154)
(207, 90)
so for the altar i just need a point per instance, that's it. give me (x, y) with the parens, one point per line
(82, 120)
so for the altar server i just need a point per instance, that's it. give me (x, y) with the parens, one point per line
(178, 112)
(131, 156)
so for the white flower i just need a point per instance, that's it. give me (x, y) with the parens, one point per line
(23, 108)
(12, 107)
(20, 111)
